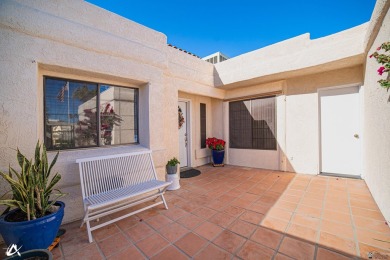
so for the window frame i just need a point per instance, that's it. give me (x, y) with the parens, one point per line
(252, 138)
(98, 145)
(203, 127)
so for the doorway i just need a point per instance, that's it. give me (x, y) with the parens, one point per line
(340, 132)
(184, 137)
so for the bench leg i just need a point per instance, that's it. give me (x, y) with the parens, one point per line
(90, 239)
(165, 203)
(85, 217)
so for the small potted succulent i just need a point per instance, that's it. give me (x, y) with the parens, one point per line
(37, 215)
(172, 175)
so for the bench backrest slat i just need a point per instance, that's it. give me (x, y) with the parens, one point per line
(102, 174)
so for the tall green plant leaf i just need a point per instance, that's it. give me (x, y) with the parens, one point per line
(52, 164)
(53, 182)
(30, 187)
(37, 153)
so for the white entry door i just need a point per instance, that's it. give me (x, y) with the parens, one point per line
(340, 131)
(183, 134)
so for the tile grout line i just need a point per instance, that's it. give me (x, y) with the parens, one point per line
(288, 224)
(259, 224)
(353, 224)
(284, 234)
(316, 242)
(322, 211)
(248, 238)
(133, 242)
(203, 221)
(234, 254)
(100, 250)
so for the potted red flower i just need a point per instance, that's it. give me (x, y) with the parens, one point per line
(217, 147)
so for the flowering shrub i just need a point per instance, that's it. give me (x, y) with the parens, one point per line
(215, 144)
(108, 118)
(384, 59)
(86, 132)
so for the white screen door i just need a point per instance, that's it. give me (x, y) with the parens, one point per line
(340, 131)
(183, 135)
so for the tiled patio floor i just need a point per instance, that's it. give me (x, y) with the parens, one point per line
(242, 213)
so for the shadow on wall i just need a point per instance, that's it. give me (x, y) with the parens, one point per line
(217, 79)
(301, 118)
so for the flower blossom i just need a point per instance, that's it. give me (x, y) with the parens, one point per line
(381, 70)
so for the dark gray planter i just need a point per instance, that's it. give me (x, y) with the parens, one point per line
(171, 169)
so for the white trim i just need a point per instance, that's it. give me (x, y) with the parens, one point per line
(188, 130)
(362, 135)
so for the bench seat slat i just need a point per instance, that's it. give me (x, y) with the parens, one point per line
(101, 199)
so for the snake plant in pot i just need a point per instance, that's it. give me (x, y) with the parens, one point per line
(37, 215)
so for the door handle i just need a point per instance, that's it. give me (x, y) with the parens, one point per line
(356, 136)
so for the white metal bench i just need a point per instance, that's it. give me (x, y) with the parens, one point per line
(113, 183)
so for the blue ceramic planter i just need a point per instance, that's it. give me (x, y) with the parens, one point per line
(33, 234)
(218, 156)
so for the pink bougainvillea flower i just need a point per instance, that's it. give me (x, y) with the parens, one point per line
(371, 56)
(378, 49)
(381, 70)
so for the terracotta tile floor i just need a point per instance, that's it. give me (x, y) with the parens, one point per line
(242, 213)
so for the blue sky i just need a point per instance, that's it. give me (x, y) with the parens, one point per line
(236, 27)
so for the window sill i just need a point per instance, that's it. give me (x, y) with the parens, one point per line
(73, 154)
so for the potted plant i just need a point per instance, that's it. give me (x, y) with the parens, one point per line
(217, 147)
(37, 215)
(171, 168)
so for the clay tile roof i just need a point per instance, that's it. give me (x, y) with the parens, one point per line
(189, 53)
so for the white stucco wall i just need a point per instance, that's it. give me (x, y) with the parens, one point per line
(376, 151)
(76, 40)
(293, 57)
(302, 116)
(37, 42)
(297, 121)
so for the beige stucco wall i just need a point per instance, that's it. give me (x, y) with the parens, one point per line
(297, 120)
(302, 115)
(189, 78)
(36, 43)
(201, 156)
(76, 40)
(376, 127)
